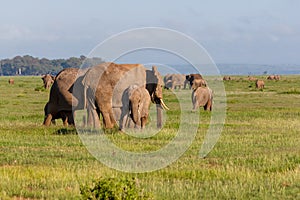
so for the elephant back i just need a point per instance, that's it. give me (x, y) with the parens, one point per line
(129, 75)
(203, 95)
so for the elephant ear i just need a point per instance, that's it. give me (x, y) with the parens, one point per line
(156, 74)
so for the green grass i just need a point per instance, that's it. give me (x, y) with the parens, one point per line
(256, 157)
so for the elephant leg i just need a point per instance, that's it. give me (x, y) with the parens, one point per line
(93, 118)
(48, 120)
(107, 120)
(138, 124)
(195, 102)
(195, 105)
(143, 122)
(71, 118)
(208, 106)
(65, 120)
(123, 118)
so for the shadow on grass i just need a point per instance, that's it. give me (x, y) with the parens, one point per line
(66, 131)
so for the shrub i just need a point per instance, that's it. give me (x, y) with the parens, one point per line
(113, 189)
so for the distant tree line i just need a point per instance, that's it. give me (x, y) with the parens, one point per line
(28, 65)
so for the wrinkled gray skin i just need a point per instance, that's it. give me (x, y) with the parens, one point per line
(202, 96)
(173, 81)
(136, 101)
(61, 98)
(48, 80)
(105, 84)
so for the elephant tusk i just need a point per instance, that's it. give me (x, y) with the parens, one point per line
(164, 105)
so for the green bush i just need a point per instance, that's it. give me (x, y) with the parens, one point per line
(113, 189)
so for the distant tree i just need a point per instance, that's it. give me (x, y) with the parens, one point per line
(34, 66)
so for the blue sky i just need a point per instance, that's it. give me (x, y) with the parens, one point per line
(232, 31)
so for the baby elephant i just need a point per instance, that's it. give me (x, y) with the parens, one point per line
(202, 96)
(136, 101)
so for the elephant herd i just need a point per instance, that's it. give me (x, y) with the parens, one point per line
(120, 94)
(259, 83)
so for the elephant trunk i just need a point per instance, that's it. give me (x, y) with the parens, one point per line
(135, 112)
(159, 113)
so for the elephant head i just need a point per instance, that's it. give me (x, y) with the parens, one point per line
(154, 86)
(198, 83)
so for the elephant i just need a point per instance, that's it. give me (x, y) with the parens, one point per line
(11, 81)
(226, 78)
(251, 78)
(274, 77)
(174, 80)
(48, 80)
(260, 84)
(135, 103)
(191, 77)
(61, 100)
(104, 85)
(202, 96)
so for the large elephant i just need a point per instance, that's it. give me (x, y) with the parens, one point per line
(105, 84)
(135, 103)
(61, 98)
(48, 80)
(202, 96)
(173, 81)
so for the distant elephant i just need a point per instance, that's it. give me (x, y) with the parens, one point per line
(191, 77)
(277, 77)
(202, 96)
(173, 81)
(273, 77)
(11, 81)
(136, 102)
(48, 80)
(104, 85)
(166, 78)
(260, 84)
(61, 98)
(251, 78)
(226, 78)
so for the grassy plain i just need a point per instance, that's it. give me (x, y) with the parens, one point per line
(256, 157)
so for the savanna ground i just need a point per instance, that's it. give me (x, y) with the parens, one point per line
(256, 157)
